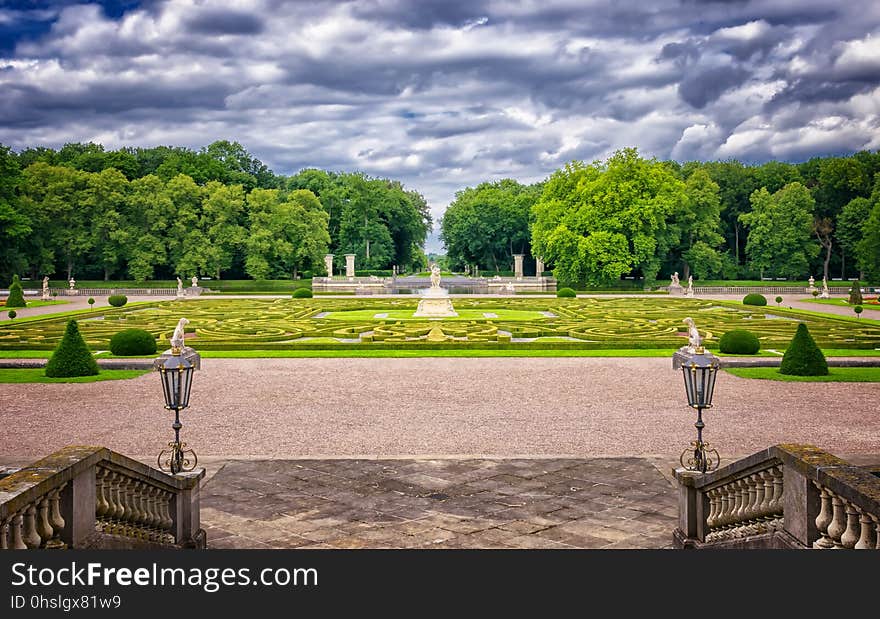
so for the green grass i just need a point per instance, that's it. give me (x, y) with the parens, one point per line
(835, 375)
(232, 285)
(840, 302)
(38, 375)
(33, 303)
(463, 314)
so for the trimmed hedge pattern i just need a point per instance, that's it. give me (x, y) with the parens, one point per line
(253, 324)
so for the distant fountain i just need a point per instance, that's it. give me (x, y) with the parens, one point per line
(435, 302)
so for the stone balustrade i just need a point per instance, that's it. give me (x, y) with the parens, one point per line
(787, 496)
(91, 497)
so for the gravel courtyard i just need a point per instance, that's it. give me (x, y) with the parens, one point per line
(498, 407)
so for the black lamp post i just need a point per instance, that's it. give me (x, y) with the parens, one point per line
(176, 368)
(700, 368)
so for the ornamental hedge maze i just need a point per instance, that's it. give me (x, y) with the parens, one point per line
(614, 323)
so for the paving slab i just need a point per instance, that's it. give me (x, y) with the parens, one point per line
(416, 511)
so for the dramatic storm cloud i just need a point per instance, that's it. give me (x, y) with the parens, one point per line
(443, 94)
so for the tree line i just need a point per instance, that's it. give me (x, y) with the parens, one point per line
(154, 213)
(634, 217)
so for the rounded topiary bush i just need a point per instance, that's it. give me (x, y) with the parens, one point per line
(739, 342)
(133, 342)
(12, 314)
(302, 293)
(858, 309)
(754, 299)
(565, 293)
(16, 296)
(803, 357)
(71, 357)
(117, 300)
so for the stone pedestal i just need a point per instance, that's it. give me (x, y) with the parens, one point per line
(676, 290)
(435, 307)
(517, 266)
(349, 266)
(539, 267)
(328, 264)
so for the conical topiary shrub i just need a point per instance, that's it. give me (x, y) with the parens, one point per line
(803, 357)
(72, 357)
(16, 296)
(855, 293)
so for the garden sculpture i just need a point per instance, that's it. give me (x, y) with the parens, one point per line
(435, 277)
(695, 342)
(177, 340)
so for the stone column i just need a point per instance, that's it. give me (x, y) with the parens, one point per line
(517, 265)
(328, 264)
(349, 266)
(539, 266)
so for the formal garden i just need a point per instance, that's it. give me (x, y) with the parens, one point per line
(629, 324)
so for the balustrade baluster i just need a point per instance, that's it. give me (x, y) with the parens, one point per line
(866, 532)
(767, 477)
(4, 534)
(44, 529)
(31, 537)
(823, 520)
(713, 508)
(721, 519)
(851, 535)
(56, 519)
(17, 542)
(102, 506)
(776, 471)
(838, 520)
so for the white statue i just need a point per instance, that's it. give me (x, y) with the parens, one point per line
(675, 281)
(826, 294)
(179, 287)
(694, 340)
(435, 277)
(812, 282)
(45, 288)
(177, 339)
(195, 281)
(690, 288)
(72, 282)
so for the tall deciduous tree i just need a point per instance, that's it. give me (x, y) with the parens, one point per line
(14, 222)
(700, 225)
(485, 225)
(780, 231)
(222, 220)
(146, 220)
(188, 245)
(596, 223)
(104, 199)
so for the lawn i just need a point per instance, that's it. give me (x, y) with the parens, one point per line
(464, 314)
(835, 375)
(31, 303)
(38, 375)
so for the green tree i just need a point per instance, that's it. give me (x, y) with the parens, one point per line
(780, 228)
(595, 223)
(487, 224)
(850, 224)
(736, 183)
(285, 234)
(104, 198)
(868, 248)
(189, 250)
(16, 295)
(53, 196)
(700, 225)
(15, 225)
(148, 209)
(223, 215)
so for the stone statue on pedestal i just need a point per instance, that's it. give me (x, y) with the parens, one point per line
(45, 288)
(435, 277)
(177, 339)
(179, 287)
(195, 281)
(826, 294)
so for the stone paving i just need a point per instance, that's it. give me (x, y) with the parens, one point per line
(445, 503)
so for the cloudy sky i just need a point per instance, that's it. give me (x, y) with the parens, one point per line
(444, 94)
